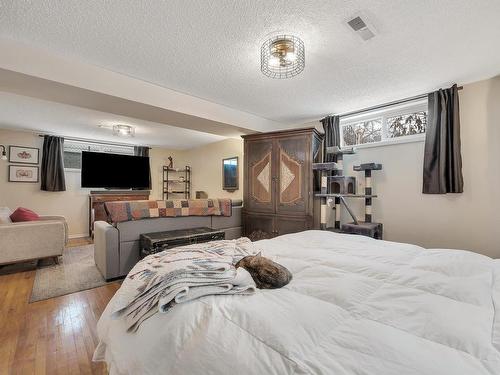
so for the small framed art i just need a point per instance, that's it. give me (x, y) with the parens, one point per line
(23, 155)
(23, 173)
(230, 174)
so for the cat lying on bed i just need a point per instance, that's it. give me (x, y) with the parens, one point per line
(266, 273)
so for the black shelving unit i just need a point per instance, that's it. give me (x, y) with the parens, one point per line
(176, 183)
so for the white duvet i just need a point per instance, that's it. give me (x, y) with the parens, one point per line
(355, 306)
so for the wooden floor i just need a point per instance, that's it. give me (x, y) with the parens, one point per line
(55, 336)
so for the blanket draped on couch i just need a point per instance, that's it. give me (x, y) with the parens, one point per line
(120, 211)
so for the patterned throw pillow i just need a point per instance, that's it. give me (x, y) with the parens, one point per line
(5, 213)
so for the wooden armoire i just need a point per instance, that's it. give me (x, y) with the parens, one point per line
(278, 182)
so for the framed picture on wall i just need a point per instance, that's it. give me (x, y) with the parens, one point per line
(24, 155)
(23, 173)
(230, 174)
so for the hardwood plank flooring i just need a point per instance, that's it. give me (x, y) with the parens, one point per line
(54, 336)
(79, 241)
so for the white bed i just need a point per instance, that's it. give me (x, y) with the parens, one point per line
(355, 306)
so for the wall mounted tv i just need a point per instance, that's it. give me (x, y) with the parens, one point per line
(114, 171)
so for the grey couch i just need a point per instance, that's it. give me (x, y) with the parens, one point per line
(117, 248)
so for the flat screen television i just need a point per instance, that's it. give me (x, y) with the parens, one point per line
(114, 171)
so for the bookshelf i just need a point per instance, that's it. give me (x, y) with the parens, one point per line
(176, 183)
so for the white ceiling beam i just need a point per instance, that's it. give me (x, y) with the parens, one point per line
(25, 70)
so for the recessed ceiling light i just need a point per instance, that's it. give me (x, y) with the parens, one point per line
(282, 56)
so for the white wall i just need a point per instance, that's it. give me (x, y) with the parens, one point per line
(206, 164)
(72, 203)
(464, 221)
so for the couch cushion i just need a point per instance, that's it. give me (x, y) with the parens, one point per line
(222, 222)
(5, 213)
(236, 202)
(24, 214)
(132, 230)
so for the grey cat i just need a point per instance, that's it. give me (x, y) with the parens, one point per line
(266, 273)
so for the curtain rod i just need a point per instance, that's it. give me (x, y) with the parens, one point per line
(390, 104)
(92, 141)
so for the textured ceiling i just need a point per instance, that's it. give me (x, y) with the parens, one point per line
(210, 48)
(21, 112)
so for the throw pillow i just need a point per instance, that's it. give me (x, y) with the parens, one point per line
(5, 213)
(23, 214)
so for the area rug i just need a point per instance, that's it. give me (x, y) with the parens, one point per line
(75, 272)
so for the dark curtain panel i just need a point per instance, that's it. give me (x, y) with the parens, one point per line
(52, 170)
(442, 158)
(143, 151)
(332, 135)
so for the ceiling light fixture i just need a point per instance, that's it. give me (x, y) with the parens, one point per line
(123, 130)
(282, 56)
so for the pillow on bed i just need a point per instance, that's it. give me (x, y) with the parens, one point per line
(266, 273)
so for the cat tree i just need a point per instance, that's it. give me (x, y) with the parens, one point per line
(336, 186)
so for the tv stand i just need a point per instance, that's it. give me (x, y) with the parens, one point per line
(97, 198)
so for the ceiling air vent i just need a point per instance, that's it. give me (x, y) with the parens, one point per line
(358, 25)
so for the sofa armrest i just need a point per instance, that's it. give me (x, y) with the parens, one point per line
(31, 240)
(58, 218)
(106, 249)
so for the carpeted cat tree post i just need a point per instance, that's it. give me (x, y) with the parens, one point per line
(366, 228)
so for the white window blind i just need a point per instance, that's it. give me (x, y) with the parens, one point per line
(73, 151)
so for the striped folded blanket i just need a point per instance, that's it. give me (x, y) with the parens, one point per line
(182, 274)
(119, 211)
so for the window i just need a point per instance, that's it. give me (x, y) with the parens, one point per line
(362, 132)
(73, 151)
(407, 124)
(391, 125)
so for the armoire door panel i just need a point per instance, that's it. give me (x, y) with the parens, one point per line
(285, 225)
(259, 183)
(294, 175)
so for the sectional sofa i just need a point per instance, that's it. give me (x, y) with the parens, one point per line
(117, 247)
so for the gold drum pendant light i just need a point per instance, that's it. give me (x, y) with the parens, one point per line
(282, 56)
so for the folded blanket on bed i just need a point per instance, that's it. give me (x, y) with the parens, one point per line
(182, 274)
